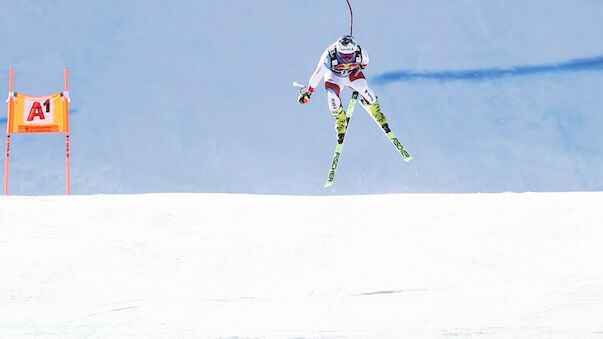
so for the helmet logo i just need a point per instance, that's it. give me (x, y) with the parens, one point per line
(346, 40)
(346, 45)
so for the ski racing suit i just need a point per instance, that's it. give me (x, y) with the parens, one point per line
(338, 73)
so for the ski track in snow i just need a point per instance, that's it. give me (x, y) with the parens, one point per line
(503, 265)
(481, 74)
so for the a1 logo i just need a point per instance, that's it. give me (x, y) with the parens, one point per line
(40, 111)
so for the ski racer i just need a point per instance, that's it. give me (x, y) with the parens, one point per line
(341, 65)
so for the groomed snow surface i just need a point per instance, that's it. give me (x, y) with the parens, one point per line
(509, 265)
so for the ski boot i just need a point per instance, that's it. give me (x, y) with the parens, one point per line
(376, 112)
(341, 123)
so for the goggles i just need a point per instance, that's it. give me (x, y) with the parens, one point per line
(347, 57)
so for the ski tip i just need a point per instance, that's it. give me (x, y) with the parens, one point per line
(407, 159)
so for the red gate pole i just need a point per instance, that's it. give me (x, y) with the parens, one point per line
(10, 97)
(7, 169)
(68, 153)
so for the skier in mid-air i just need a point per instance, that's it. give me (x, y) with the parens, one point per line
(341, 65)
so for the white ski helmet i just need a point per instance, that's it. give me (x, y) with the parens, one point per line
(346, 45)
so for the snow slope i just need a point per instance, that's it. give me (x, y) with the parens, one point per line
(502, 265)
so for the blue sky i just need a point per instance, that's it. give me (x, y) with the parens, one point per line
(196, 96)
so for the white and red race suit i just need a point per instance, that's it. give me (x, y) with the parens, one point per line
(338, 73)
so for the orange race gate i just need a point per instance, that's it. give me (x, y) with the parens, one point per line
(38, 114)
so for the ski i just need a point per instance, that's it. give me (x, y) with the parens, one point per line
(392, 137)
(339, 147)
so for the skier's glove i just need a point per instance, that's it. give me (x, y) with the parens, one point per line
(305, 97)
